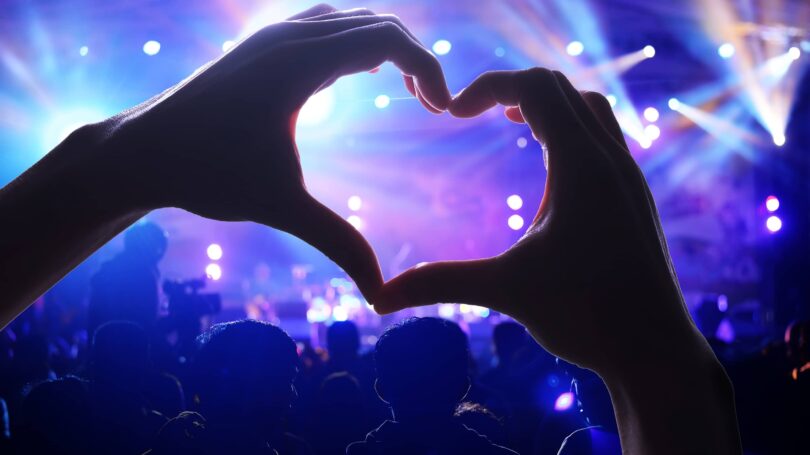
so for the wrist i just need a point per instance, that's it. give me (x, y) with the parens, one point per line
(681, 404)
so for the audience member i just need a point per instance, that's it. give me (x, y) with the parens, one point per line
(422, 373)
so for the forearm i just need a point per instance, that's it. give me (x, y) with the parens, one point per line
(682, 405)
(55, 215)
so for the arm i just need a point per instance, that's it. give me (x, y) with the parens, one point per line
(592, 279)
(55, 215)
(233, 122)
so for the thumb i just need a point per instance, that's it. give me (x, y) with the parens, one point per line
(335, 237)
(476, 282)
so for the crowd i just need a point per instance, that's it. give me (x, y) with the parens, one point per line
(250, 388)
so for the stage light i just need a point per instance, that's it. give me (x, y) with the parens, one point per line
(354, 203)
(515, 222)
(514, 202)
(58, 128)
(611, 100)
(151, 47)
(340, 313)
(645, 142)
(649, 51)
(382, 101)
(442, 47)
(772, 203)
(228, 45)
(214, 252)
(213, 271)
(674, 104)
(794, 53)
(564, 402)
(83, 51)
(317, 108)
(652, 132)
(726, 50)
(779, 139)
(651, 114)
(447, 310)
(500, 52)
(320, 312)
(356, 221)
(575, 48)
(522, 142)
(722, 303)
(773, 223)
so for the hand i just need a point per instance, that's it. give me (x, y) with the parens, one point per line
(591, 279)
(221, 143)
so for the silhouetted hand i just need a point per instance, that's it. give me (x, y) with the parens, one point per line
(591, 279)
(221, 143)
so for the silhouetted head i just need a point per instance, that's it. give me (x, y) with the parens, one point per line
(797, 341)
(120, 353)
(343, 340)
(244, 373)
(422, 367)
(55, 418)
(509, 338)
(146, 241)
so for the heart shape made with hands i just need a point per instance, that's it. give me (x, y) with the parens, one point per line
(591, 278)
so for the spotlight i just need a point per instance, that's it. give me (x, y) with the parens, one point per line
(779, 139)
(213, 271)
(645, 142)
(500, 52)
(356, 221)
(649, 51)
(575, 48)
(151, 47)
(651, 114)
(514, 202)
(83, 51)
(228, 45)
(442, 47)
(354, 203)
(611, 100)
(772, 203)
(382, 101)
(515, 222)
(214, 252)
(794, 53)
(652, 132)
(340, 313)
(773, 223)
(674, 104)
(318, 108)
(564, 402)
(522, 142)
(726, 50)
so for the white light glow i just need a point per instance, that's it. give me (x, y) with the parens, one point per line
(779, 139)
(214, 252)
(794, 53)
(772, 203)
(652, 132)
(228, 45)
(522, 142)
(318, 108)
(84, 50)
(575, 48)
(514, 202)
(611, 99)
(382, 101)
(151, 47)
(354, 203)
(213, 271)
(651, 114)
(515, 222)
(674, 104)
(726, 50)
(649, 51)
(356, 221)
(442, 47)
(773, 223)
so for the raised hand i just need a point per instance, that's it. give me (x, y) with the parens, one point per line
(232, 122)
(591, 279)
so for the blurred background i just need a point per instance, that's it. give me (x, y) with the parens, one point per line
(712, 96)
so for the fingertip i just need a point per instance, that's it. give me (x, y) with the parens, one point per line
(513, 114)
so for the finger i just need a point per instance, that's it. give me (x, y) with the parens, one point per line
(355, 12)
(364, 48)
(542, 103)
(341, 242)
(603, 112)
(513, 114)
(316, 10)
(409, 85)
(475, 282)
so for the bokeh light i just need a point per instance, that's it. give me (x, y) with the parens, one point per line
(772, 203)
(773, 223)
(214, 252)
(575, 48)
(515, 222)
(213, 271)
(564, 402)
(151, 47)
(514, 202)
(355, 203)
(442, 47)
